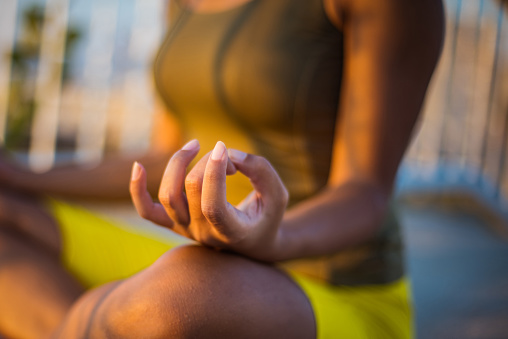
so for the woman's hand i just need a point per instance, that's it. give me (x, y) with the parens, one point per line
(202, 212)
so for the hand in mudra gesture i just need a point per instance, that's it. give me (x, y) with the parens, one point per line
(202, 212)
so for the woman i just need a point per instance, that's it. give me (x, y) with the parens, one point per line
(327, 92)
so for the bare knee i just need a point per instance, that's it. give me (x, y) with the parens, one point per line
(177, 297)
(195, 292)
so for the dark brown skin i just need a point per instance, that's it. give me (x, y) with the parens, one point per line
(36, 292)
(391, 48)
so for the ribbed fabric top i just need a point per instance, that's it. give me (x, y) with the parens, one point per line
(265, 77)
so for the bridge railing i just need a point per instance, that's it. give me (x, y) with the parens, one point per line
(75, 76)
(75, 84)
(463, 139)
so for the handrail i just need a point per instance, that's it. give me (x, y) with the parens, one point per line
(462, 141)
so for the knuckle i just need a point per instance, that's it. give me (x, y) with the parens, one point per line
(169, 199)
(193, 183)
(261, 167)
(164, 199)
(213, 176)
(214, 215)
(173, 200)
(143, 213)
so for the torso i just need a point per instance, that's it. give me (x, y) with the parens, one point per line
(268, 70)
(263, 76)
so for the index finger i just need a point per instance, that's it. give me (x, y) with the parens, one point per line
(171, 193)
(142, 200)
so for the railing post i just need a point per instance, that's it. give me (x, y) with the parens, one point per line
(138, 91)
(48, 86)
(8, 20)
(91, 136)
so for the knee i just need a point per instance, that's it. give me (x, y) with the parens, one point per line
(196, 292)
(189, 292)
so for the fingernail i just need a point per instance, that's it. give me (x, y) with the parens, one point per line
(136, 171)
(218, 151)
(191, 145)
(236, 155)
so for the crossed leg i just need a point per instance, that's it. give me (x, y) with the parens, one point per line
(195, 292)
(35, 291)
(190, 291)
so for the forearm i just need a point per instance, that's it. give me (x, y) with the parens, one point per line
(335, 219)
(108, 180)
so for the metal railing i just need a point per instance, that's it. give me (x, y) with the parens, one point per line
(464, 132)
(106, 102)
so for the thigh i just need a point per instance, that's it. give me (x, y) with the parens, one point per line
(35, 292)
(29, 217)
(197, 292)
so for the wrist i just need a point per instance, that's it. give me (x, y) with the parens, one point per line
(270, 250)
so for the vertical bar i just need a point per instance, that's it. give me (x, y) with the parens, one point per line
(426, 153)
(145, 38)
(48, 85)
(484, 56)
(442, 144)
(467, 78)
(8, 21)
(98, 72)
(491, 91)
(500, 174)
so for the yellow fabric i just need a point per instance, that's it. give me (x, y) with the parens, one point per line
(97, 250)
(360, 312)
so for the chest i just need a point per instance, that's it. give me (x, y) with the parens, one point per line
(257, 61)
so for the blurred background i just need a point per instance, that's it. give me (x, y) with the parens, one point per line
(75, 85)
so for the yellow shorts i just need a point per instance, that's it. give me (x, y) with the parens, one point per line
(97, 250)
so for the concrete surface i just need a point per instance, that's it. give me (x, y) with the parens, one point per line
(459, 272)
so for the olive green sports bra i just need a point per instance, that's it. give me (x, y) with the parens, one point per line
(265, 77)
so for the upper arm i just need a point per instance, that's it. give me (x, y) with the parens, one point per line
(390, 51)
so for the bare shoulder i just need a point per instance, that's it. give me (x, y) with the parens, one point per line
(416, 11)
(335, 12)
(396, 26)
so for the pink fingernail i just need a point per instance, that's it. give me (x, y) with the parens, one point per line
(191, 145)
(236, 155)
(136, 171)
(218, 151)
